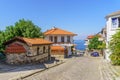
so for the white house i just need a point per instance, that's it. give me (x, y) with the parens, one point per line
(112, 24)
(87, 40)
(60, 38)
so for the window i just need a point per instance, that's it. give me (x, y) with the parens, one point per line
(55, 39)
(62, 38)
(51, 38)
(114, 22)
(37, 50)
(44, 49)
(48, 49)
(41, 51)
(68, 39)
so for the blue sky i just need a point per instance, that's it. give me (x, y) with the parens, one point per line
(82, 17)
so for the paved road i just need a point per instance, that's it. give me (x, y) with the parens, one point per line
(76, 68)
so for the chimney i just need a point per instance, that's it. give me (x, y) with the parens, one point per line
(53, 27)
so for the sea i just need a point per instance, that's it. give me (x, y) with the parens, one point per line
(79, 44)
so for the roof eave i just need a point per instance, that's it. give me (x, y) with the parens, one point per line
(11, 40)
(62, 34)
(41, 44)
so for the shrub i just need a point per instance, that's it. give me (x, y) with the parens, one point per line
(114, 47)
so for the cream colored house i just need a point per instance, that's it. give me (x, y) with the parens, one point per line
(60, 37)
(26, 50)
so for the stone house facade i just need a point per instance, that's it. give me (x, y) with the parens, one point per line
(26, 50)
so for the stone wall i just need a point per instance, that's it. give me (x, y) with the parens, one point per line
(59, 57)
(39, 53)
(22, 58)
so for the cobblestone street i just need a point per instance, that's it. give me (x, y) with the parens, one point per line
(76, 68)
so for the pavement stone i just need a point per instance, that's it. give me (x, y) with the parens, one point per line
(10, 72)
(108, 71)
(74, 68)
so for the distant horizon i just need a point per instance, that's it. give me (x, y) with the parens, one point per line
(80, 44)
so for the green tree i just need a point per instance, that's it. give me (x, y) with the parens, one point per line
(94, 43)
(27, 29)
(114, 47)
(22, 28)
(2, 39)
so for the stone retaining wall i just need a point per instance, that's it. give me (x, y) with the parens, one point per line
(22, 58)
(33, 54)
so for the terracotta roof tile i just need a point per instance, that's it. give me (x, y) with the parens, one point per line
(57, 31)
(35, 41)
(15, 48)
(90, 37)
(29, 41)
(59, 48)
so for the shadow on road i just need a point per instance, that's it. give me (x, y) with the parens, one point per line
(5, 68)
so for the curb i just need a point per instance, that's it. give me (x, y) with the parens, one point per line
(32, 73)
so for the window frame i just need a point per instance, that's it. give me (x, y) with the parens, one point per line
(114, 23)
(68, 39)
(51, 38)
(62, 39)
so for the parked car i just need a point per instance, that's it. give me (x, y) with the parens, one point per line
(95, 54)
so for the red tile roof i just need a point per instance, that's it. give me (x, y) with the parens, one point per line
(57, 31)
(90, 37)
(59, 48)
(36, 41)
(29, 41)
(15, 48)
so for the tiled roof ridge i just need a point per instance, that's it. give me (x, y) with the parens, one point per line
(54, 30)
(30, 41)
(65, 30)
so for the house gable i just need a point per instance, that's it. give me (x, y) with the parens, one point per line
(15, 48)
